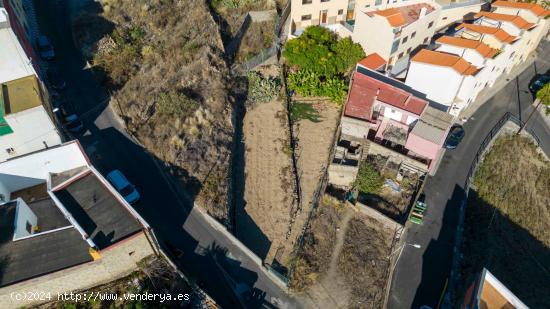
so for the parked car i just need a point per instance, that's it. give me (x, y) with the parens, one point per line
(55, 79)
(456, 134)
(123, 186)
(539, 82)
(71, 121)
(45, 48)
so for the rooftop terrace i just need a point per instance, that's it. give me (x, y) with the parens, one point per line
(97, 210)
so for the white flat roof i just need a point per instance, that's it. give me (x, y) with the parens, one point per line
(14, 63)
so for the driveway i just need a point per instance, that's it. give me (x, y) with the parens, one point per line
(420, 275)
(178, 225)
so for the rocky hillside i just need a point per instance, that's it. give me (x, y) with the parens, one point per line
(163, 61)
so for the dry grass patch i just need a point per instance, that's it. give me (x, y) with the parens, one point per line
(507, 225)
(164, 60)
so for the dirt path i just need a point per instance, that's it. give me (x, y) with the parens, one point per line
(340, 236)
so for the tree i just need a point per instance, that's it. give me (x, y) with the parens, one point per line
(368, 179)
(544, 96)
(318, 50)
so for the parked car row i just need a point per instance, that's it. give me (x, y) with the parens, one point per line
(63, 111)
(70, 119)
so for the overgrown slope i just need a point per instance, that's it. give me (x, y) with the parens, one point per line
(163, 60)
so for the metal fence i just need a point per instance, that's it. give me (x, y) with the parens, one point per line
(455, 275)
(273, 50)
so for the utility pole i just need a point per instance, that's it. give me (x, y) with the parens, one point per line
(544, 97)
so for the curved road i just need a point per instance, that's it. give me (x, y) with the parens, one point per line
(420, 274)
(177, 224)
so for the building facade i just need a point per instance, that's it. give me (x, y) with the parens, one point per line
(459, 66)
(67, 228)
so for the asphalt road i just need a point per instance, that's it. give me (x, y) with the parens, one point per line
(178, 226)
(421, 274)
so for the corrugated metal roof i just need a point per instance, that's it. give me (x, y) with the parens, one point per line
(432, 125)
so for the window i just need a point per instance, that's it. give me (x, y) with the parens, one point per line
(426, 40)
(340, 12)
(377, 2)
(10, 151)
(325, 0)
(512, 54)
(394, 46)
(28, 227)
(444, 18)
(400, 56)
(405, 40)
(408, 50)
(413, 34)
(306, 17)
(493, 69)
(430, 24)
(307, 1)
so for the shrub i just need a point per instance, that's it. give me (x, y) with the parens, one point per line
(232, 4)
(308, 83)
(261, 89)
(368, 179)
(544, 95)
(175, 104)
(318, 50)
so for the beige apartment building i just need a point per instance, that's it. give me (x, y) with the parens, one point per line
(391, 29)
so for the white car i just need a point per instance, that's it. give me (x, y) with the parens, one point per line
(123, 186)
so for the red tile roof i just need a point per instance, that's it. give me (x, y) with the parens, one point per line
(403, 15)
(515, 19)
(373, 61)
(498, 33)
(482, 48)
(458, 63)
(365, 90)
(535, 8)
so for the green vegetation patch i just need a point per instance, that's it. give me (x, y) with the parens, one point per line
(368, 179)
(321, 62)
(300, 111)
(544, 95)
(176, 104)
(262, 89)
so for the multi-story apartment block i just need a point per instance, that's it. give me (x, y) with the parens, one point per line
(458, 68)
(21, 18)
(390, 28)
(395, 32)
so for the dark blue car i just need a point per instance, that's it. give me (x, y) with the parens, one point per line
(539, 83)
(456, 134)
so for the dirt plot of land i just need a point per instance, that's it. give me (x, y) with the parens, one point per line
(263, 222)
(314, 140)
(507, 222)
(344, 261)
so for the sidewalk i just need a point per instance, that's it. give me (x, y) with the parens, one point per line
(501, 82)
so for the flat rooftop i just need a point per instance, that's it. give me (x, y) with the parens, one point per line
(433, 125)
(14, 63)
(19, 95)
(97, 210)
(39, 254)
(402, 16)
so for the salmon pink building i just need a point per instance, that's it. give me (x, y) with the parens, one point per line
(389, 113)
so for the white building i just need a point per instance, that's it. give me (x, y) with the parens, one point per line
(390, 29)
(445, 78)
(64, 227)
(460, 67)
(393, 33)
(25, 120)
